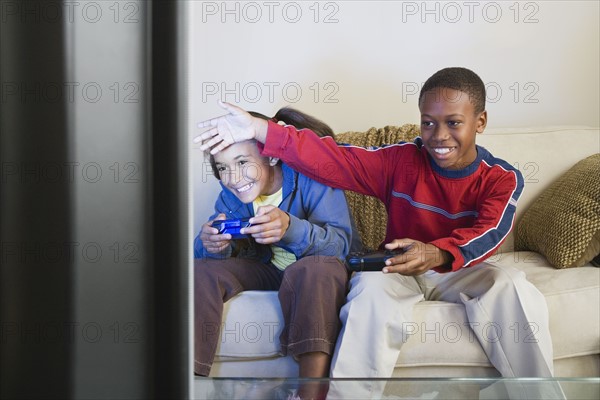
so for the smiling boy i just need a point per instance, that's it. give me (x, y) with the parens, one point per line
(450, 203)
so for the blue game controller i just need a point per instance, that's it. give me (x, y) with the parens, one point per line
(232, 226)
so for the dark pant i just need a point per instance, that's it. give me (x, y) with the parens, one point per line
(311, 292)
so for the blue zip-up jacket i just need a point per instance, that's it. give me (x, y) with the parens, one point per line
(320, 222)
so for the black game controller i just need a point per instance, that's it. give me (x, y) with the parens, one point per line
(371, 260)
(232, 227)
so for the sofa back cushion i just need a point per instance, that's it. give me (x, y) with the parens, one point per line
(541, 154)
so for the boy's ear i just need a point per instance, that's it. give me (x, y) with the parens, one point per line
(273, 161)
(481, 121)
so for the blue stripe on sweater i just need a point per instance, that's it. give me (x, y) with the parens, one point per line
(435, 209)
(483, 244)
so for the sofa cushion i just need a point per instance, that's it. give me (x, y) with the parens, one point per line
(542, 154)
(252, 323)
(573, 298)
(564, 222)
(254, 320)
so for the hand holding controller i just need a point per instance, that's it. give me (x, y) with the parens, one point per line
(370, 260)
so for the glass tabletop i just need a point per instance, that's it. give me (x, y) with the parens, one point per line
(399, 388)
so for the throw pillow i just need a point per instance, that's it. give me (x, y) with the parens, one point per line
(563, 224)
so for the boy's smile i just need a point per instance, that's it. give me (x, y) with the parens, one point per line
(448, 127)
(244, 188)
(246, 173)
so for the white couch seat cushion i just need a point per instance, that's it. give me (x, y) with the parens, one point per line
(254, 320)
(252, 327)
(573, 297)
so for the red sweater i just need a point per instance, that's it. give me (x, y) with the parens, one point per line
(467, 212)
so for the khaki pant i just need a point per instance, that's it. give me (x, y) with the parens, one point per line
(380, 306)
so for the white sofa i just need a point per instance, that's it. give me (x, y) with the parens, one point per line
(442, 345)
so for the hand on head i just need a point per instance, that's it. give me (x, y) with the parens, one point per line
(235, 126)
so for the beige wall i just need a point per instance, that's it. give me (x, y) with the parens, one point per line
(358, 64)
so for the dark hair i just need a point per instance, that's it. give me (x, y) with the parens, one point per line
(290, 116)
(461, 79)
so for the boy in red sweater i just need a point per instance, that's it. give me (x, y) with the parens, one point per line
(450, 205)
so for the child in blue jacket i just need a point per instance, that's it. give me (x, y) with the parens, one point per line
(300, 232)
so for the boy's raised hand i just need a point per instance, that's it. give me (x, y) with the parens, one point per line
(212, 241)
(235, 126)
(419, 257)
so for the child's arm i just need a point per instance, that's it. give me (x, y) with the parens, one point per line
(322, 159)
(366, 171)
(496, 214)
(325, 228)
(469, 245)
(321, 227)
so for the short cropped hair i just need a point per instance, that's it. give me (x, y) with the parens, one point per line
(461, 79)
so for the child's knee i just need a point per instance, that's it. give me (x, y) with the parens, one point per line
(371, 284)
(318, 268)
(208, 272)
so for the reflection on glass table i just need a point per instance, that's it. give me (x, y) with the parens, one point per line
(402, 388)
